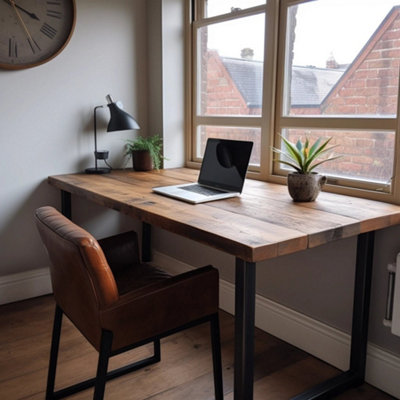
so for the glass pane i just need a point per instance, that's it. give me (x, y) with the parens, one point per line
(342, 58)
(230, 69)
(228, 132)
(364, 155)
(218, 7)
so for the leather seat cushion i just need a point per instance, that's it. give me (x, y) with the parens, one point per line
(138, 276)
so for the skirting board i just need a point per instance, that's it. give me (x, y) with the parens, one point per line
(24, 285)
(320, 340)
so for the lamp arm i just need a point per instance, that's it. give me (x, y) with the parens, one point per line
(95, 134)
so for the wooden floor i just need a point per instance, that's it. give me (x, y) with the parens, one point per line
(185, 370)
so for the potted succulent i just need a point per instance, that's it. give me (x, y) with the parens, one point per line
(304, 184)
(145, 152)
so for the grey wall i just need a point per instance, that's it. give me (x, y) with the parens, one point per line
(318, 282)
(166, 60)
(119, 47)
(47, 117)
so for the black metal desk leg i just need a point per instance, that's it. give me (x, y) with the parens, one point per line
(362, 289)
(66, 203)
(359, 332)
(244, 329)
(146, 242)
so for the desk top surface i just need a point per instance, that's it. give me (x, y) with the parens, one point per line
(262, 223)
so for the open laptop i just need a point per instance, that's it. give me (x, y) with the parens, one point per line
(222, 173)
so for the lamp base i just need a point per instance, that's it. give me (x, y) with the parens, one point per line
(98, 170)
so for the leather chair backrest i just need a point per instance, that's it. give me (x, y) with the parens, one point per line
(82, 280)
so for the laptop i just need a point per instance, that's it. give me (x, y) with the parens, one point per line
(222, 173)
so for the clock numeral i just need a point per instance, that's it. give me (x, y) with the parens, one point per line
(12, 48)
(33, 45)
(54, 14)
(48, 30)
(54, 3)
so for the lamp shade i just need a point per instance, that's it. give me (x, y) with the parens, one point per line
(120, 120)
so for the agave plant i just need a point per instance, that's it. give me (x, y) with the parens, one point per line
(303, 157)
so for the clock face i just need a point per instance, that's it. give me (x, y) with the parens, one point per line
(32, 32)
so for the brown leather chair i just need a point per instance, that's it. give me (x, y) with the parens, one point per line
(119, 303)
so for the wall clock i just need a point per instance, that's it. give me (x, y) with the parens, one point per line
(33, 32)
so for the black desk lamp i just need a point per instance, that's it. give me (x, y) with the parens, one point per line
(119, 121)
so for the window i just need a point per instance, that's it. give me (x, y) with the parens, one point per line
(334, 72)
(229, 69)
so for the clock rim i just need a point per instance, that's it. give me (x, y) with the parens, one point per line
(55, 54)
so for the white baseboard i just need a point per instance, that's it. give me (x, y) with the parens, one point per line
(322, 341)
(314, 337)
(24, 285)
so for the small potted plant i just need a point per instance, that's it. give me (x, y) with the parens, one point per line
(304, 184)
(145, 152)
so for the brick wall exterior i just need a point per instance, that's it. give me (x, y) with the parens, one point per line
(220, 96)
(370, 86)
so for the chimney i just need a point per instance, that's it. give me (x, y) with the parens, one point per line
(247, 53)
(331, 62)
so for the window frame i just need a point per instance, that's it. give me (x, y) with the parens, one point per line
(272, 121)
(265, 120)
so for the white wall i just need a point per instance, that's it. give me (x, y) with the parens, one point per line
(47, 117)
(166, 58)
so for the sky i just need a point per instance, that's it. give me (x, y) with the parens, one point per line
(325, 28)
(338, 28)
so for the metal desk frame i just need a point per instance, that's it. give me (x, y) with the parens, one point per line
(245, 317)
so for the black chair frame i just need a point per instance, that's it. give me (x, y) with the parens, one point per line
(105, 353)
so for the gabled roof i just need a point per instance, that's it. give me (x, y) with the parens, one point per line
(248, 78)
(309, 85)
(365, 51)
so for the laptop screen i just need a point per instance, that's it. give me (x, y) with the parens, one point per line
(225, 164)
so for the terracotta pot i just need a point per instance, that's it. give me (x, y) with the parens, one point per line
(305, 187)
(142, 160)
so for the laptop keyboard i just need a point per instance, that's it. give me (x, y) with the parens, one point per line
(202, 190)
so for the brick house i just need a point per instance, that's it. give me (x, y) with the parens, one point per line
(368, 86)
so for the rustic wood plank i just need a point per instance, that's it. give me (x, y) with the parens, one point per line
(320, 226)
(250, 239)
(263, 223)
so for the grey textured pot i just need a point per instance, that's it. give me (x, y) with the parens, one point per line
(305, 187)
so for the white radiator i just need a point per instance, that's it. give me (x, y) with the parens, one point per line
(392, 315)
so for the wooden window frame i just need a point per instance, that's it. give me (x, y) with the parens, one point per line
(272, 120)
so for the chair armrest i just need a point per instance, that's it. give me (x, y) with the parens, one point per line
(163, 306)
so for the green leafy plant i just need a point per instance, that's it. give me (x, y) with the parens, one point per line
(152, 144)
(303, 156)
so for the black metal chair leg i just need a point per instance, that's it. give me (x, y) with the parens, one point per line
(104, 355)
(216, 353)
(55, 344)
(157, 350)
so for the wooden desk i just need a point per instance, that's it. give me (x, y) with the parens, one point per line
(261, 224)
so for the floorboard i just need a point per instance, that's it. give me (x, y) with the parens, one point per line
(185, 370)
